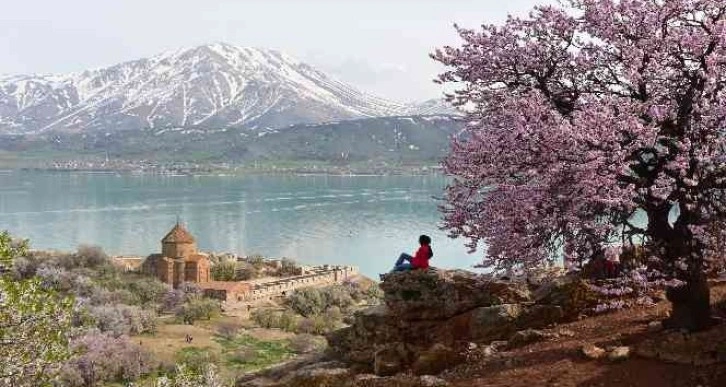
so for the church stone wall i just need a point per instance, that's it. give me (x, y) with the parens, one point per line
(178, 250)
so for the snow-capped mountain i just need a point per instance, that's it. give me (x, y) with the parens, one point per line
(431, 107)
(213, 86)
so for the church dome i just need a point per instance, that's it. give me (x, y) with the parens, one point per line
(178, 234)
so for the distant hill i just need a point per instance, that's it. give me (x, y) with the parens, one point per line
(392, 139)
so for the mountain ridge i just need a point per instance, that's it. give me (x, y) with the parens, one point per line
(210, 86)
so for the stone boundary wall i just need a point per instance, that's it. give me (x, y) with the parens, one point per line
(321, 275)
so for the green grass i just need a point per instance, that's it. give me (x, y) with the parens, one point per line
(240, 354)
(246, 353)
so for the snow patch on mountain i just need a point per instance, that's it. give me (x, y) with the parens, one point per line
(207, 87)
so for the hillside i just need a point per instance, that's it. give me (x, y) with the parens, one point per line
(529, 335)
(418, 139)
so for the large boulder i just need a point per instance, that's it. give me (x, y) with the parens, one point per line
(571, 293)
(438, 294)
(356, 343)
(318, 377)
(391, 359)
(483, 324)
(436, 359)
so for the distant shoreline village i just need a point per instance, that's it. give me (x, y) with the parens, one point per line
(180, 262)
(195, 169)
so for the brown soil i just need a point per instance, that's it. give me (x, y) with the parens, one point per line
(560, 362)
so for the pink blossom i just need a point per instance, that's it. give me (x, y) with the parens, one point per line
(579, 118)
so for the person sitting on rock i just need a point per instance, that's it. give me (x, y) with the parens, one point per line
(420, 260)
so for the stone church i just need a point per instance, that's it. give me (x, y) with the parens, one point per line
(179, 260)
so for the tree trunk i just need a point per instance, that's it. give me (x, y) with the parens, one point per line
(691, 302)
(691, 305)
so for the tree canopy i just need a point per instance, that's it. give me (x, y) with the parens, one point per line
(578, 117)
(35, 326)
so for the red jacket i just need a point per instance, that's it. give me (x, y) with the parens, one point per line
(421, 259)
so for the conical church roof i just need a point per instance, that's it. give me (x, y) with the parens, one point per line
(178, 234)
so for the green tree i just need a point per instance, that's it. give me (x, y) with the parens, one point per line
(224, 271)
(288, 267)
(35, 324)
(198, 308)
(307, 302)
(10, 249)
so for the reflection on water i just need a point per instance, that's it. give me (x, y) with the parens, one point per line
(364, 221)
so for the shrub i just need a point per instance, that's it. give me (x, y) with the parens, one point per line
(224, 271)
(256, 260)
(288, 267)
(316, 325)
(307, 301)
(333, 314)
(306, 343)
(103, 296)
(24, 268)
(314, 301)
(243, 355)
(337, 296)
(196, 359)
(35, 325)
(246, 271)
(374, 294)
(228, 331)
(197, 308)
(287, 321)
(55, 278)
(173, 299)
(147, 291)
(123, 319)
(91, 257)
(265, 318)
(105, 358)
(185, 377)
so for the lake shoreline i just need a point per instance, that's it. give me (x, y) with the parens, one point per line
(364, 221)
(413, 171)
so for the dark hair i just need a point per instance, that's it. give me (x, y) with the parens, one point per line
(426, 240)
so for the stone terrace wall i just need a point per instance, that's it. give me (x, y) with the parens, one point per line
(322, 275)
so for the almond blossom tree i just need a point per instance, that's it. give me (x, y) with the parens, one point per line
(35, 325)
(583, 114)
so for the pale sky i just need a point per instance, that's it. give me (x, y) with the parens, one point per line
(380, 46)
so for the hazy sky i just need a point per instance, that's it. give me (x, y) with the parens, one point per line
(381, 46)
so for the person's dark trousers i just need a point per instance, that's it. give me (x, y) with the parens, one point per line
(403, 263)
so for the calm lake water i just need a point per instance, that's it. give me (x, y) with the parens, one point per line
(360, 220)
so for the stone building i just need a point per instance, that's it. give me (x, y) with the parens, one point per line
(226, 291)
(179, 260)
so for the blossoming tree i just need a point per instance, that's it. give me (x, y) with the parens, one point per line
(35, 325)
(583, 114)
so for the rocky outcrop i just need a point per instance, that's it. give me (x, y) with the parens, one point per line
(332, 374)
(428, 317)
(431, 295)
(570, 292)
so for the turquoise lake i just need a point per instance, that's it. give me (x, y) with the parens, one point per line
(366, 221)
